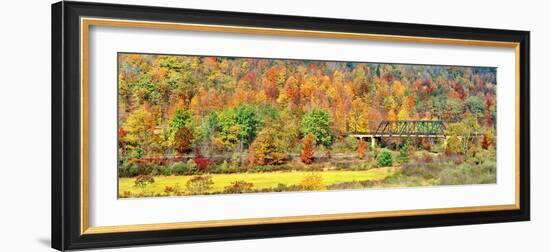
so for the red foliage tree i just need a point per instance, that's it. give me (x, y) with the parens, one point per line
(121, 132)
(488, 119)
(202, 162)
(460, 90)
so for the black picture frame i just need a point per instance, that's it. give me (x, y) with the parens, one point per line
(66, 124)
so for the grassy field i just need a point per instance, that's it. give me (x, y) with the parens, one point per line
(260, 180)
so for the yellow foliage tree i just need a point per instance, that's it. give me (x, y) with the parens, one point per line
(403, 113)
(308, 88)
(261, 97)
(195, 106)
(390, 103)
(139, 133)
(358, 117)
(392, 117)
(397, 89)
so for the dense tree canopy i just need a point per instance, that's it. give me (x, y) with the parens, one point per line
(225, 103)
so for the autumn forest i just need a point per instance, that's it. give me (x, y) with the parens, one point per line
(195, 125)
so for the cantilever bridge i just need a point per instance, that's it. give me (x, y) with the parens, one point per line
(404, 129)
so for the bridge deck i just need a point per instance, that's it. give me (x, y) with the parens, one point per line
(361, 135)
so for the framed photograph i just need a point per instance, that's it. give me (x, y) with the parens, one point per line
(181, 125)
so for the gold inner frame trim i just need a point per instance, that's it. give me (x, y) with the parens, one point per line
(85, 24)
(288, 219)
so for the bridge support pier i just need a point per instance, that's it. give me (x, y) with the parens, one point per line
(445, 140)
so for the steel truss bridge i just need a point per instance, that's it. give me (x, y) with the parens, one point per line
(404, 129)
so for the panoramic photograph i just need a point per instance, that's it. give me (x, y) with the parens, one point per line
(204, 125)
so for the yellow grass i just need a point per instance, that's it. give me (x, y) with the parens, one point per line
(260, 180)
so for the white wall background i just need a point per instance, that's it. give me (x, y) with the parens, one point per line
(25, 125)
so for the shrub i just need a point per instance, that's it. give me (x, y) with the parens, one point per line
(224, 167)
(351, 143)
(240, 186)
(385, 158)
(346, 185)
(199, 184)
(375, 152)
(328, 154)
(313, 182)
(403, 156)
(426, 144)
(262, 168)
(235, 161)
(181, 168)
(468, 174)
(173, 190)
(126, 194)
(482, 157)
(423, 158)
(425, 171)
(365, 166)
(399, 179)
(452, 158)
(162, 170)
(127, 169)
(131, 169)
(307, 152)
(281, 187)
(137, 152)
(143, 180)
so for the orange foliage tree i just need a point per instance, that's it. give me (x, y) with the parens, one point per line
(487, 140)
(361, 148)
(182, 140)
(308, 149)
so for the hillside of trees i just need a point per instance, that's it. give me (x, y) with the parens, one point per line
(173, 104)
